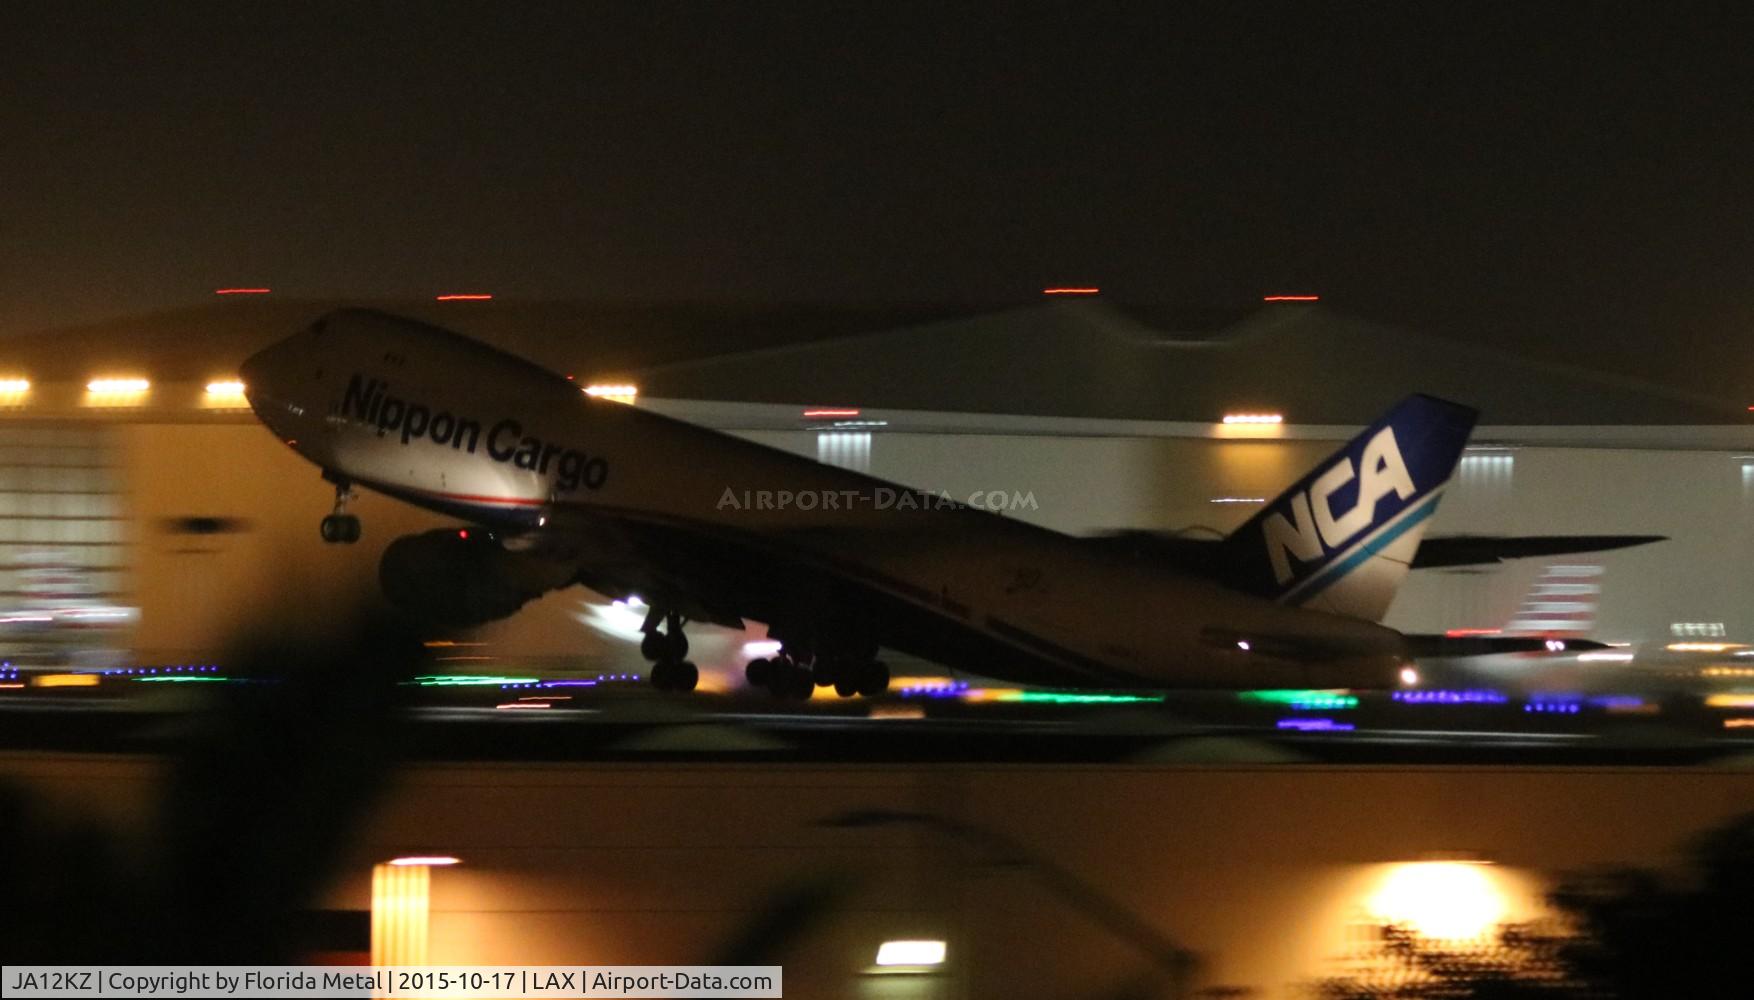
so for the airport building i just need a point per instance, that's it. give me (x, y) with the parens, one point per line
(144, 509)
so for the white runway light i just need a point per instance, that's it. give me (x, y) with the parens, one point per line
(910, 953)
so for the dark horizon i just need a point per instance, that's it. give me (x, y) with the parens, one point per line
(1566, 181)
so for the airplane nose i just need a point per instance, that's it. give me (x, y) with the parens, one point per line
(273, 373)
(274, 387)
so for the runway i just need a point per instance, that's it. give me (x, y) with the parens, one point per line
(620, 717)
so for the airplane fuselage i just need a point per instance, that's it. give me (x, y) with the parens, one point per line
(454, 426)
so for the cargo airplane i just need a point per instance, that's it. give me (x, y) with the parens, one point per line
(559, 489)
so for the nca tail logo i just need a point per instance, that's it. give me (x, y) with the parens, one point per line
(1315, 527)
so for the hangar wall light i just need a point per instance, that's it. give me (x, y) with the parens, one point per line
(117, 386)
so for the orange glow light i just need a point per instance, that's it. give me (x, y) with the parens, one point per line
(117, 386)
(619, 393)
(1291, 298)
(822, 413)
(242, 291)
(1071, 291)
(465, 297)
(64, 680)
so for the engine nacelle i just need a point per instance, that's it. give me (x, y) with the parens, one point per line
(465, 577)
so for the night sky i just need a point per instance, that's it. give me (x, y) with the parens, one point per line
(1577, 179)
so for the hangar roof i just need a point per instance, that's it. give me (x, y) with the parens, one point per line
(201, 342)
(1094, 359)
(1084, 358)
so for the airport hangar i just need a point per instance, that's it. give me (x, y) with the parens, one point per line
(133, 476)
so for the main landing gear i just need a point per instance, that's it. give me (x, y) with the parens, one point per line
(340, 527)
(793, 674)
(666, 649)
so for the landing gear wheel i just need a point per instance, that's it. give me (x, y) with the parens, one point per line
(340, 529)
(675, 675)
(846, 687)
(789, 681)
(685, 678)
(757, 672)
(874, 679)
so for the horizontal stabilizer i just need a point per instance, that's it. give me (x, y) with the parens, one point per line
(1433, 646)
(1484, 550)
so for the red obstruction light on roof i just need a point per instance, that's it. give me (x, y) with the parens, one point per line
(465, 297)
(242, 291)
(1291, 298)
(1071, 291)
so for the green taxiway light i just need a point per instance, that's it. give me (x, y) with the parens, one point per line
(1072, 698)
(1302, 698)
(469, 680)
(181, 679)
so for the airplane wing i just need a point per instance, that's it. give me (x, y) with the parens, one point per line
(727, 579)
(463, 577)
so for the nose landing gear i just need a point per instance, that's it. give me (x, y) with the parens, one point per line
(341, 527)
